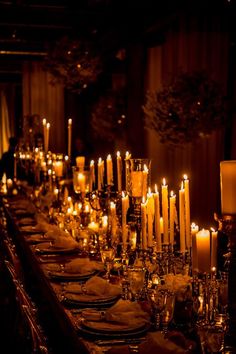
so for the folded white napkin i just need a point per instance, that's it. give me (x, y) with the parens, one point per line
(94, 286)
(83, 265)
(123, 312)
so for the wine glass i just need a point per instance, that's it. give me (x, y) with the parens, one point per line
(136, 278)
(107, 255)
(156, 296)
(168, 310)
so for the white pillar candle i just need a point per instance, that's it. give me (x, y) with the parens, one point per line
(203, 250)
(228, 186)
(172, 216)
(69, 136)
(119, 171)
(80, 162)
(150, 217)
(58, 168)
(81, 182)
(157, 227)
(144, 224)
(182, 219)
(194, 230)
(214, 235)
(164, 194)
(136, 180)
(187, 211)
(109, 170)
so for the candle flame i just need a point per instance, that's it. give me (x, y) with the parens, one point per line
(143, 200)
(172, 194)
(48, 125)
(69, 121)
(127, 155)
(185, 177)
(145, 168)
(109, 157)
(99, 160)
(66, 158)
(92, 163)
(44, 121)
(164, 182)
(118, 154)
(212, 229)
(112, 205)
(156, 188)
(123, 194)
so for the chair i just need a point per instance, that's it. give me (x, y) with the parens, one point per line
(29, 333)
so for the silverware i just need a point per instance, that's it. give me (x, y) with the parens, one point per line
(119, 341)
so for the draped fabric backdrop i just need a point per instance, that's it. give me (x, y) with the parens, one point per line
(5, 131)
(190, 45)
(47, 100)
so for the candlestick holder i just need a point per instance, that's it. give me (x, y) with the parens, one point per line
(227, 224)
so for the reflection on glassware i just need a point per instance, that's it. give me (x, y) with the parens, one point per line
(136, 278)
(107, 255)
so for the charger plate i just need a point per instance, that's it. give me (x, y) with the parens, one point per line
(108, 330)
(66, 276)
(47, 248)
(84, 300)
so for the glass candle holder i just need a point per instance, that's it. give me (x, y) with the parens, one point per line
(138, 176)
(80, 180)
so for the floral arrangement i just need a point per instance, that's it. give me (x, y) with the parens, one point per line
(74, 63)
(189, 108)
(108, 117)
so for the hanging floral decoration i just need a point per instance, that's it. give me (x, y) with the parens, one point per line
(74, 63)
(108, 117)
(191, 107)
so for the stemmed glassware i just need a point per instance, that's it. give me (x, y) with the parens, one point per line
(107, 252)
(136, 277)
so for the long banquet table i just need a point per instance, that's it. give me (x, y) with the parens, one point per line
(61, 322)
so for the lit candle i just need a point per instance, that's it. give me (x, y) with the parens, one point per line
(100, 173)
(113, 220)
(58, 167)
(157, 219)
(119, 171)
(47, 137)
(109, 170)
(144, 224)
(136, 180)
(50, 179)
(145, 181)
(203, 250)
(164, 194)
(80, 162)
(125, 206)
(194, 230)
(44, 133)
(182, 218)
(228, 186)
(172, 216)
(69, 136)
(93, 226)
(91, 175)
(150, 216)
(81, 182)
(187, 211)
(214, 235)
(127, 158)
(15, 168)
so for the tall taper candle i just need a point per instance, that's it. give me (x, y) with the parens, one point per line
(150, 216)
(109, 170)
(164, 194)
(187, 211)
(119, 171)
(144, 224)
(172, 216)
(182, 219)
(69, 136)
(157, 226)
